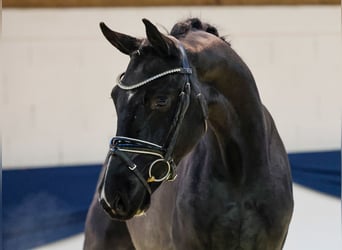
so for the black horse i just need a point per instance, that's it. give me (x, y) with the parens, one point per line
(197, 155)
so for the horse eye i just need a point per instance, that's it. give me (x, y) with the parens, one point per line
(160, 102)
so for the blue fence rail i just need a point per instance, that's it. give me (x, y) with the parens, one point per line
(42, 205)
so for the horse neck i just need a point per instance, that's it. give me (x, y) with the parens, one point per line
(236, 115)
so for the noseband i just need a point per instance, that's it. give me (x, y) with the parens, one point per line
(120, 146)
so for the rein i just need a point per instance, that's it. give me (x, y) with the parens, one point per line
(120, 146)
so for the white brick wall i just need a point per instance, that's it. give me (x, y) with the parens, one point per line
(58, 71)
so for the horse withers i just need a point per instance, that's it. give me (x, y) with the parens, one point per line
(197, 162)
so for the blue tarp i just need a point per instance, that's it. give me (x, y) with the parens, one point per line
(46, 204)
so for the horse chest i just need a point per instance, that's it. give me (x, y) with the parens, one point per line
(153, 230)
(221, 224)
(201, 222)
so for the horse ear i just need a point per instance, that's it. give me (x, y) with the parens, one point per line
(163, 44)
(126, 44)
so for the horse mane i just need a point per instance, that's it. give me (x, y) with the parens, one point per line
(192, 24)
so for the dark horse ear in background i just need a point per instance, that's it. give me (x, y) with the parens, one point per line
(164, 45)
(126, 44)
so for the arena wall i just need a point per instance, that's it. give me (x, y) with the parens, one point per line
(58, 71)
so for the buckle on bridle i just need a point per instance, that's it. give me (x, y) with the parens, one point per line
(132, 168)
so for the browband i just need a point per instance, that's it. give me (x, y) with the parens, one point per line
(186, 71)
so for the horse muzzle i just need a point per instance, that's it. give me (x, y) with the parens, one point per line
(120, 207)
(120, 192)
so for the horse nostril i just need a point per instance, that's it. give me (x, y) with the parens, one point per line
(119, 204)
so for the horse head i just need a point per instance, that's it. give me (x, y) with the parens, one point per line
(161, 116)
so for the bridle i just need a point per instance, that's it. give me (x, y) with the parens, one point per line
(121, 146)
